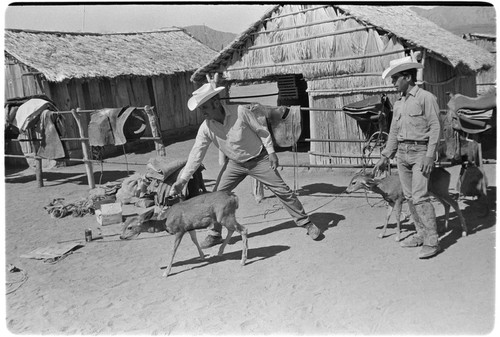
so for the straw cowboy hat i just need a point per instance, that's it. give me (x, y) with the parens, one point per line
(204, 93)
(399, 65)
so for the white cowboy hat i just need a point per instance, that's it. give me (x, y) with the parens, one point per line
(399, 65)
(203, 94)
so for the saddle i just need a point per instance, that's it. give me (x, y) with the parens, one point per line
(284, 123)
(472, 114)
(116, 126)
(368, 110)
(374, 109)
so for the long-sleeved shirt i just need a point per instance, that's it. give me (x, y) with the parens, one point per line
(240, 138)
(415, 118)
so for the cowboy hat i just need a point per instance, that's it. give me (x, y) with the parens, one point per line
(399, 65)
(203, 94)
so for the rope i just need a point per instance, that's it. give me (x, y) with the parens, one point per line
(368, 202)
(14, 285)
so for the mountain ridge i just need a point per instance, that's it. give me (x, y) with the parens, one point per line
(473, 19)
(215, 39)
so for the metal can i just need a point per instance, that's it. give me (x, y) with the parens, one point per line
(88, 235)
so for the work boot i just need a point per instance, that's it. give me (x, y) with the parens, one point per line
(427, 214)
(415, 241)
(210, 241)
(428, 251)
(313, 231)
(419, 227)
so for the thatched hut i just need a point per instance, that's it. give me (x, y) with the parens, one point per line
(95, 71)
(339, 53)
(486, 80)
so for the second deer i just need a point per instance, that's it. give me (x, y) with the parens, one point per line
(187, 216)
(390, 189)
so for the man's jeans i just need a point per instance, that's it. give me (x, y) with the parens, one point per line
(414, 185)
(259, 168)
(413, 182)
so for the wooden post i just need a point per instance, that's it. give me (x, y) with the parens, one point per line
(38, 171)
(85, 148)
(37, 160)
(155, 130)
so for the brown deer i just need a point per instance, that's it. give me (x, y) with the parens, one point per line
(391, 191)
(187, 216)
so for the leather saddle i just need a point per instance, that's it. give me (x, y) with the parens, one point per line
(367, 110)
(284, 123)
(472, 114)
(116, 126)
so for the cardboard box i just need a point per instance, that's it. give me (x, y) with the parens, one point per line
(109, 214)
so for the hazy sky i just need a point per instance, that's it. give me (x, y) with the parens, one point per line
(82, 17)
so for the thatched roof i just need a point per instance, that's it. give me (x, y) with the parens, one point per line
(62, 55)
(311, 41)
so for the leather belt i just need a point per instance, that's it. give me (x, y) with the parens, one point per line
(414, 142)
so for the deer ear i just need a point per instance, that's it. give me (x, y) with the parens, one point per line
(370, 182)
(360, 172)
(147, 215)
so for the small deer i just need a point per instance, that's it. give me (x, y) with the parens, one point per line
(391, 191)
(187, 216)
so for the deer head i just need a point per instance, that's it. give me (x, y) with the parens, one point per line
(361, 180)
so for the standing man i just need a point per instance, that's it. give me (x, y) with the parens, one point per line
(248, 148)
(414, 135)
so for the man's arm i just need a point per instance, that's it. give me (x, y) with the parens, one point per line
(391, 145)
(431, 110)
(195, 158)
(431, 107)
(392, 141)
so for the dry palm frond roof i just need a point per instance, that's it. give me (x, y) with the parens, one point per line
(398, 20)
(63, 55)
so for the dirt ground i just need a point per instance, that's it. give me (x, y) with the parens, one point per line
(349, 282)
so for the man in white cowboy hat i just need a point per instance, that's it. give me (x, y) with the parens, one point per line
(248, 148)
(414, 135)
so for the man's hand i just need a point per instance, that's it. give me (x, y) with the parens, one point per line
(177, 187)
(381, 165)
(273, 160)
(427, 165)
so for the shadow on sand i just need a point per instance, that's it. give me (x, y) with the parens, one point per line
(254, 255)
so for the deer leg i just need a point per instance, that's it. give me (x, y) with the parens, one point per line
(447, 199)
(446, 205)
(226, 240)
(178, 238)
(243, 232)
(195, 241)
(398, 206)
(390, 207)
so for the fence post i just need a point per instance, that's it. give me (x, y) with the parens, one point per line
(37, 160)
(155, 130)
(85, 148)
(38, 171)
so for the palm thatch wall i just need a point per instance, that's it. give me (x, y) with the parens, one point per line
(486, 80)
(95, 71)
(341, 52)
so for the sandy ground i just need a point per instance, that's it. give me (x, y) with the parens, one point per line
(349, 282)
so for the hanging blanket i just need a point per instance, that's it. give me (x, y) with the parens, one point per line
(284, 123)
(116, 126)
